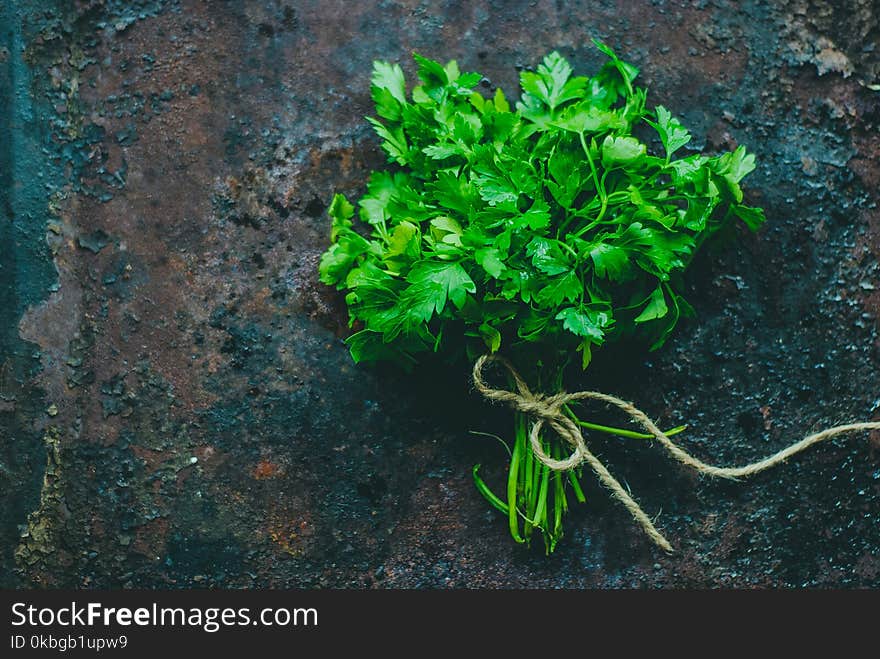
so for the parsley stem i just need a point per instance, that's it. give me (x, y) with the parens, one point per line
(561, 506)
(569, 250)
(493, 498)
(512, 482)
(604, 206)
(628, 433)
(532, 503)
(599, 190)
(600, 187)
(540, 515)
(489, 495)
(576, 486)
(622, 432)
(495, 437)
(529, 486)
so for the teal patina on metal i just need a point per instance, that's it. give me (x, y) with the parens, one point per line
(27, 178)
(45, 154)
(27, 275)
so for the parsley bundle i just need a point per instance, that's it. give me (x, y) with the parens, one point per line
(542, 231)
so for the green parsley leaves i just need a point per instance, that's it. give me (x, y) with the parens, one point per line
(547, 229)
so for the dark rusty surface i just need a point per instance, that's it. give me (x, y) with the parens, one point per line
(178, 409)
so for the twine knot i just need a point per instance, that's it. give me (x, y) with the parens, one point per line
(548, 409)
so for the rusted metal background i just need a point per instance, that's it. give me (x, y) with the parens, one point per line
(177, 407)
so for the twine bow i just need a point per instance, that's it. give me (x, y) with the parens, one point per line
(548, 409)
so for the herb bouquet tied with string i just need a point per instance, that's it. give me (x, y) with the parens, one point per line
(540, 232)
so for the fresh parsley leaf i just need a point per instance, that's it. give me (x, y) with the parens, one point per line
(551, 223)
(490, 260)
(388, 90)
(621, 151)
(609, 261)
(341, 213)
(753, 217)
(672, 134)
(584, 323)
(452, 280)
(559, 289)
(553, 84)
(656, 307)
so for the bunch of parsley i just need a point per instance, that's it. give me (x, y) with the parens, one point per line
(542, 231)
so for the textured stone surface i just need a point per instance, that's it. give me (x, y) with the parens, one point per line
(177, 407)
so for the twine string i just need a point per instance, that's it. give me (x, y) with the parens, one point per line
(547, 409)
